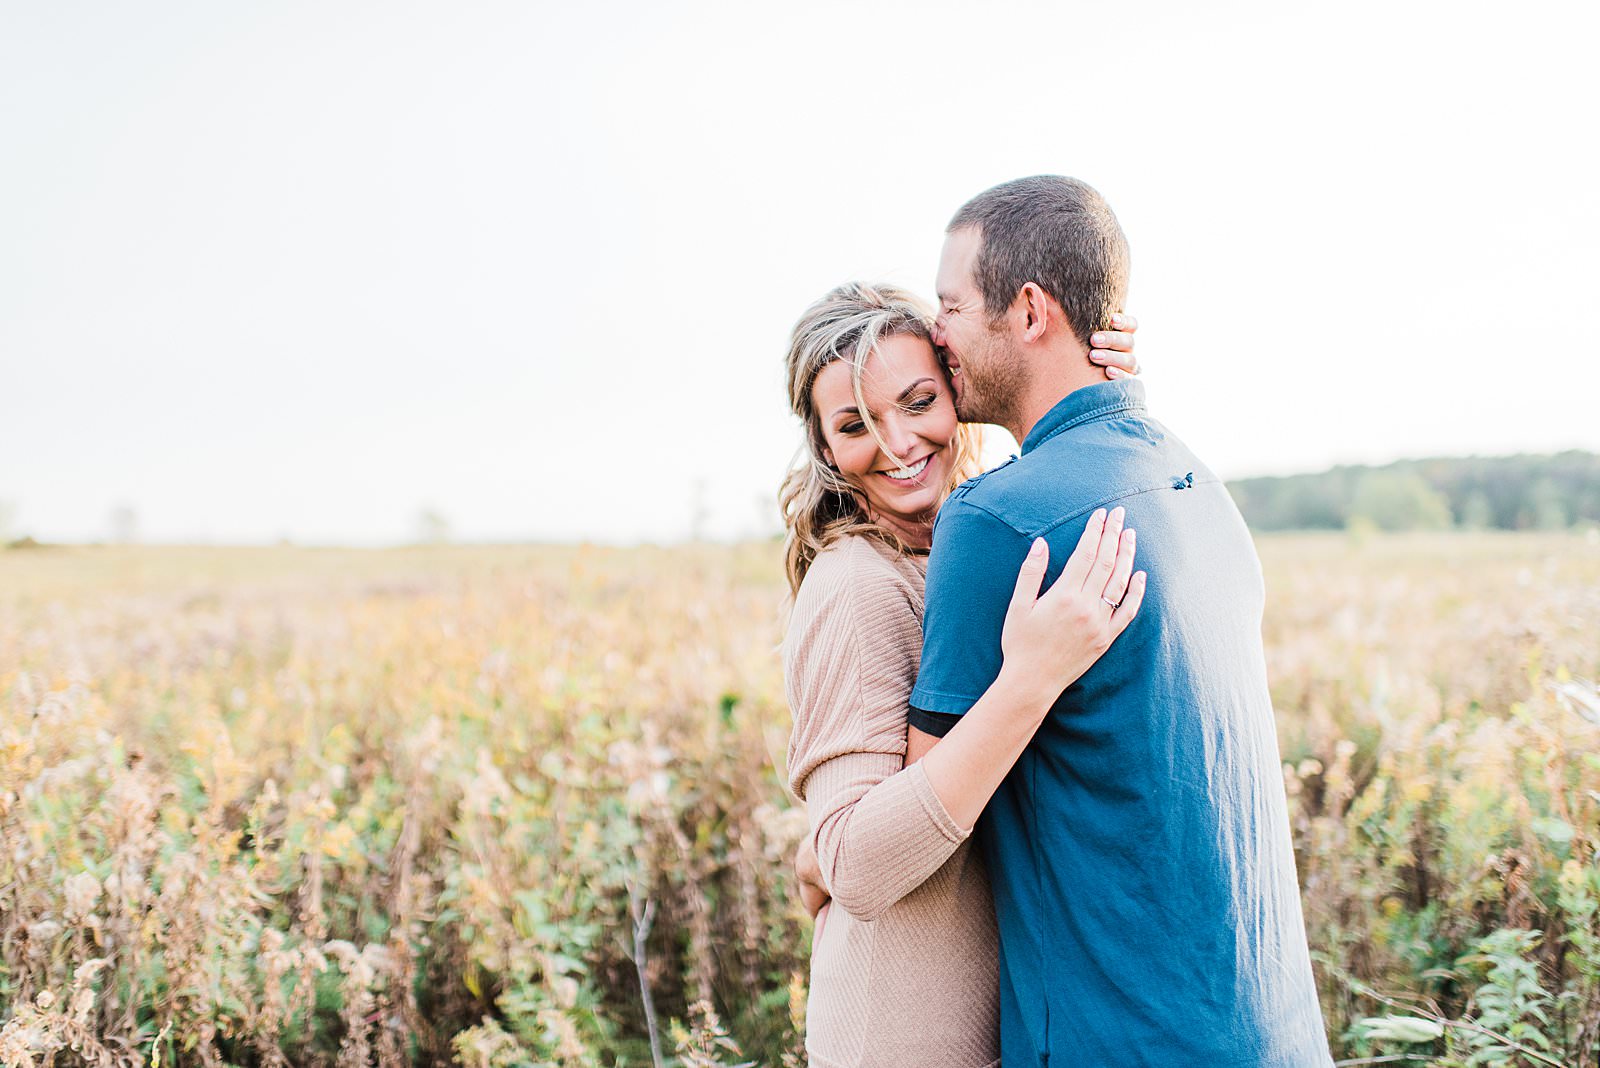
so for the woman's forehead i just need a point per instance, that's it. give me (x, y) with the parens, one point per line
(896, 363)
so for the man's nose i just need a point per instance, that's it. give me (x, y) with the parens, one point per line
(938, 330)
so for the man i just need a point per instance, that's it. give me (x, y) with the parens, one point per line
(1139, 851)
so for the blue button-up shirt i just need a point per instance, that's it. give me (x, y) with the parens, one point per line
(1143, 873)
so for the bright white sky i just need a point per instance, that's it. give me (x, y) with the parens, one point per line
(300, 269)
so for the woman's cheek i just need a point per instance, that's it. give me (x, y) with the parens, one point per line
(859, 461)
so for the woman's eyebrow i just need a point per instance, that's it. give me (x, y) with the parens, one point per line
(904, 393)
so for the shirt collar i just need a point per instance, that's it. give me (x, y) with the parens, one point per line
(1082, 405)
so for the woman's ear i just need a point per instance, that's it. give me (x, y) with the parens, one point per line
(827, 458)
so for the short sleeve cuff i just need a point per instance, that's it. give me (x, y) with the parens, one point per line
(945, 703)
(937, 724)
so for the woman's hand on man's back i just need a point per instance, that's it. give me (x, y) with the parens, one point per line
(1049, 641)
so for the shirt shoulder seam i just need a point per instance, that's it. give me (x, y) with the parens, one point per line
(929, 691)
(1114, 498)
(1103, 502)
(966, 501)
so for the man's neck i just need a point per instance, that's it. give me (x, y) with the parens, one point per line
(1059, 375)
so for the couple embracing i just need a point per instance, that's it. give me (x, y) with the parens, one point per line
(1096, 706)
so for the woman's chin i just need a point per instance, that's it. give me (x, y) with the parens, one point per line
(921, 503)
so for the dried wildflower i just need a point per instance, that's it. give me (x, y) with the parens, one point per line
(82, 893)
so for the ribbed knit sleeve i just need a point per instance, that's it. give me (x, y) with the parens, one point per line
(850, 661)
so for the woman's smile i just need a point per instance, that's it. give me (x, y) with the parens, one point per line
(911, 475)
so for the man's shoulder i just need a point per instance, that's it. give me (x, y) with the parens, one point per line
(1046, 485)
(1092, 466)
(971, 507)
(971, 485)
(969, 496)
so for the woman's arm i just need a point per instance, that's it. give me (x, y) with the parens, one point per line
(1048, 643)
(875, 833)
(879, 829)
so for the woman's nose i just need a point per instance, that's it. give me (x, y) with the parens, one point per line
(898, 436)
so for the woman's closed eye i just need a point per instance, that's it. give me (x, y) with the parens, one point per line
(920, 404)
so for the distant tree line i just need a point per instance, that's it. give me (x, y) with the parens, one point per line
(1468, 493)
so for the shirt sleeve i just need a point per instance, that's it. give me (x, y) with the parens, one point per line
(972, 573)
(878, 828)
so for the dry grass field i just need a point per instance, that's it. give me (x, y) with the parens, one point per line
(519, 806)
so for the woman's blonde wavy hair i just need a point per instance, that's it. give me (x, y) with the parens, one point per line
(819, 507)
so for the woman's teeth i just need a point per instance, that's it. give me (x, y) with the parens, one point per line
(911, 472)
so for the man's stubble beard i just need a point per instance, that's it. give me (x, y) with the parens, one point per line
(996, 377)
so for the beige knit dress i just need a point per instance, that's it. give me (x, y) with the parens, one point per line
(904, 964)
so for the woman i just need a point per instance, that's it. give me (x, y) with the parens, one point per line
(904, 953)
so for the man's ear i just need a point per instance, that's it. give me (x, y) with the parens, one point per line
(1034, 304)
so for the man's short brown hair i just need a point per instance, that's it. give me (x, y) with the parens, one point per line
(1056, 232)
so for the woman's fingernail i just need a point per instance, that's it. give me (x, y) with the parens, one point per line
(1099, 340)
(1038, 547)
